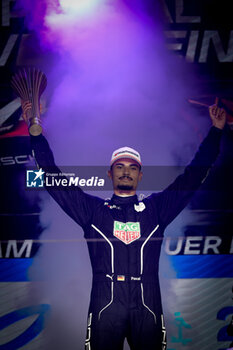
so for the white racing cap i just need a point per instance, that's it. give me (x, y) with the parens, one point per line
(126, 152)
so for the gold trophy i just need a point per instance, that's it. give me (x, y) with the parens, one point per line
(29, 84)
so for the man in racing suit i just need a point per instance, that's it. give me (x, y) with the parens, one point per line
(124, 238)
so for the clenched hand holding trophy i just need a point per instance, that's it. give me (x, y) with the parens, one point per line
(29, 84)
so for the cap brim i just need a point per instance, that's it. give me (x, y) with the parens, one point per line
(125, 156)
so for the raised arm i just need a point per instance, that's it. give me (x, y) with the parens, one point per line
(76, 203)
(175, 197)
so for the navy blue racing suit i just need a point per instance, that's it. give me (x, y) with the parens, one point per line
(124, 238)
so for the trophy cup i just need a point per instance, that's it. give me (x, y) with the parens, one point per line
(29, 84)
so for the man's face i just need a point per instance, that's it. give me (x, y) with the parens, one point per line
(125, 175)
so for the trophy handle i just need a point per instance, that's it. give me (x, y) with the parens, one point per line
(33, 120)
(34, 126)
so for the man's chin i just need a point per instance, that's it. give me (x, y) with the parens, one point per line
(125, 187)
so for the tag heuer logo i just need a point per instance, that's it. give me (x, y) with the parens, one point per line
(127, 232)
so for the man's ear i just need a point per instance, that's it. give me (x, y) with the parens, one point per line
(109, 173)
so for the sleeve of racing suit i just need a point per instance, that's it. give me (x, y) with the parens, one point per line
(76, 203)
(171, 201)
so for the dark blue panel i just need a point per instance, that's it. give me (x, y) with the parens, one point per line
(14, 270)
(202, 266)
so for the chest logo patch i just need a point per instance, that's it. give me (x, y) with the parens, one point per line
(127, 232)
(140, 207)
